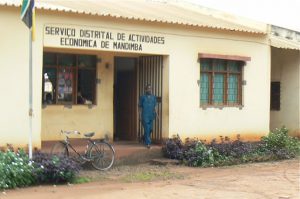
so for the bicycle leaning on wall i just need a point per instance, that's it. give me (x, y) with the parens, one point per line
(98, 152)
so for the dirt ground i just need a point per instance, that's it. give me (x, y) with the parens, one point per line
(274, 180)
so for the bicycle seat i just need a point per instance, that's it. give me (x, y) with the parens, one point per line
(89, 135)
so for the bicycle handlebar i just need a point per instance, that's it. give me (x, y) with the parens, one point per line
(70, 132)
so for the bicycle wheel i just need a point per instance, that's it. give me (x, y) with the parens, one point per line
(59, 149)
(102, 155)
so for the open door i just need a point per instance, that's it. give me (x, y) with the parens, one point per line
(125, 104)
(150, 71)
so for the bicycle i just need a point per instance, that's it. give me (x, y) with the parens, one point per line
(98, 152)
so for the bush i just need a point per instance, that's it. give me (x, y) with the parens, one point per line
(173, 148)
(54, 169)
(203, 155)
(281, 144)
(277, 145)
(234, 149)
(15, 170)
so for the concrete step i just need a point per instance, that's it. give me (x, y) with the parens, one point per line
(126, 153)
(136, 154)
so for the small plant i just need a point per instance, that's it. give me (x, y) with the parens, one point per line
(15, 170)
(173, 148)
(54, 169)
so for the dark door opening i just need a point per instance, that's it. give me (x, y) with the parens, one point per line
(125, 99)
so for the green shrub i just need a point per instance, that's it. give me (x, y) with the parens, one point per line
(281, 144)
(15, 170)
(204, 156)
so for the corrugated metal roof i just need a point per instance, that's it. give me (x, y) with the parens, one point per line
(163, 11)
(284, 43)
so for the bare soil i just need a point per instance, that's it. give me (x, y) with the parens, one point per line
(274, 180)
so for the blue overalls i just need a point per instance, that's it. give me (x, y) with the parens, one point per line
(147, 103)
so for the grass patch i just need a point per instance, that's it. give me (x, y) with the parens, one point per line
(133, 173)
(147, 176)
(80, 180)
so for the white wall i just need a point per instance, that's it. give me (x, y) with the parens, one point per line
(14, 81)
(186, 116)
(286, 70)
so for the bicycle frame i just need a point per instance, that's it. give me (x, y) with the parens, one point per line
(68, 146)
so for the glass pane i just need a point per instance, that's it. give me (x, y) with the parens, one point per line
(204, 88)
(232, 89)
(49, 59)
(206, 64)
(86, 86)
(87, 61)
(49, 86)
(65, 85)
(66, 60)
(218, 89)
(234, 66)
(220, 65)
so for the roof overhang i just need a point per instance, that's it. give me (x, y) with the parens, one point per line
(284, 38)
(166, 11)
(283, 43)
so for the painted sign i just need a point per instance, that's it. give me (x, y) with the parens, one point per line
(66, 36)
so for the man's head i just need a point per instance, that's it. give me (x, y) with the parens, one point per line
(148, 89)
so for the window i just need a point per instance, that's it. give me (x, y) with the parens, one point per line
(275, 96)
(69, 79)
(220, 82)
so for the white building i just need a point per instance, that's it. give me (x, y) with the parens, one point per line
(210, 71)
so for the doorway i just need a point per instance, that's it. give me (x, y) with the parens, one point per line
(131, 77)
(125, 99)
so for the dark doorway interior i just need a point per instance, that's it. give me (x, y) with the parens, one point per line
(125, 99)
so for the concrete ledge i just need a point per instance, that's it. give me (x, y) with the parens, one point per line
(164, 161)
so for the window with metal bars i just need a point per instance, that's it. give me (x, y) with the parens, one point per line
(220, 82)
(69, 78)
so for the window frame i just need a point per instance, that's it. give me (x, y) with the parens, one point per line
(75, 69)
(213, 59)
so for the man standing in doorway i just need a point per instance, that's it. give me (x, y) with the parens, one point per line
(147, 113)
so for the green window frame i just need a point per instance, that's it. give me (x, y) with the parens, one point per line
(69, 79)
(220, 82)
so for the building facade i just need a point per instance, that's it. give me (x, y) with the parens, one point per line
(211, 75)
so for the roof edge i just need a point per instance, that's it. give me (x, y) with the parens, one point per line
(62, 9)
